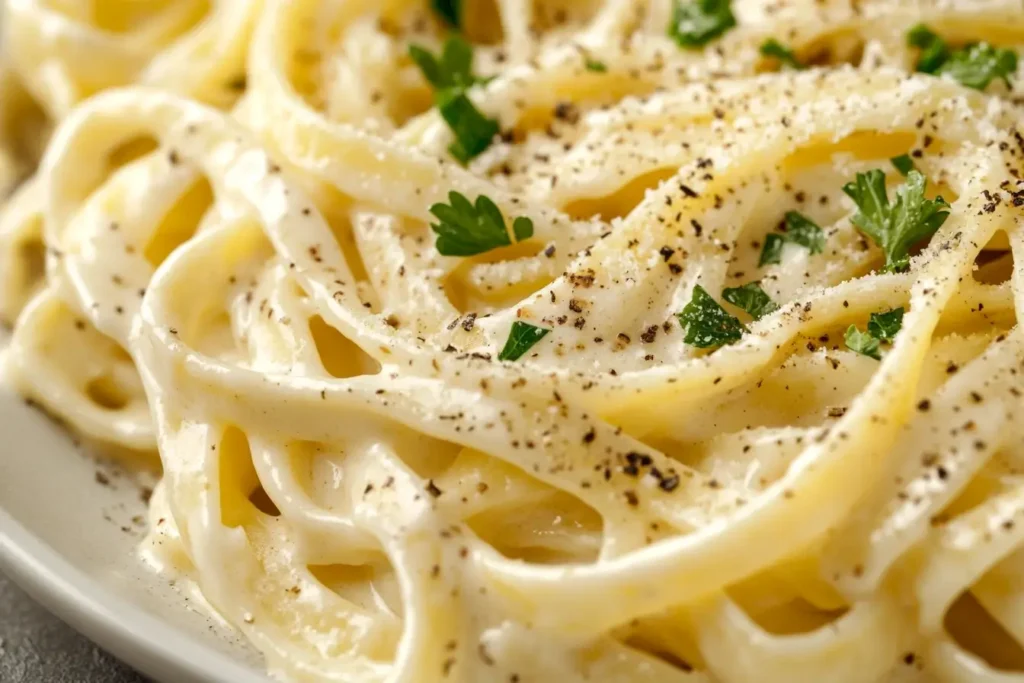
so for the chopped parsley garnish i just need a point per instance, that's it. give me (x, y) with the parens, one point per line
(451, 74)
(803, 231)
(707, 324)
(898, 226)
(595, 65)
(903, 163)
(771, 251)
(751, 298)
(521, 339)
(974, 65)
(697, 22)
(473, 131)
(978, 65)
(799, 230)
(863, 343)
(452, 69)
(466, 230)
(450, 11)
(934, 51)
(882, 327)
(773, 48)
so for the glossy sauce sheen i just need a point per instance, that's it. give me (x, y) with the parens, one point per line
(225, 254)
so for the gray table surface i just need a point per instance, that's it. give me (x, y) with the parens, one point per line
(36, 647)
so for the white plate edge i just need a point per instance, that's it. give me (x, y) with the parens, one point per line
(150, 645)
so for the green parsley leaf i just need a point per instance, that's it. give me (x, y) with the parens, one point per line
(473, 131)
(903, 163)
(805, 232)
(451, 75)
(751, 298)
(899, 226)
(454, 68)
(863, 343)
(450, 11)
(800, 230)
(595, 65)
(521, 339)
(884, 326)
(771, 252)
(975, 65)
(978, 65)
(707, 324)
(466, 230)
(698, 22)
(773, 48)
(934, 51)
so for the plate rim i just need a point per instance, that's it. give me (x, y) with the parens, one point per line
(145, 642)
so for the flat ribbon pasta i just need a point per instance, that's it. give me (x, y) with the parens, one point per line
(225, 254)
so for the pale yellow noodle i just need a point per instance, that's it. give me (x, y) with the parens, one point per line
(224, 254)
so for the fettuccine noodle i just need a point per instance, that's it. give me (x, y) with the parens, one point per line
(218, 245)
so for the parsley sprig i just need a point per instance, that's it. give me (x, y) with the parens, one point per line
(904, 164)
(882, 327)
(978, 65)
(452, 69)
(751, 298)
(698, 22)
(707, 324)
(799, 230)
(803, 231)
(886, 325)
(898, 226)
(863, 343)
(934, 51)
(521, 339)
(466, 230)
(773, 48)
(451, 74)
(473, 131)
(974, 65)
(771, 250)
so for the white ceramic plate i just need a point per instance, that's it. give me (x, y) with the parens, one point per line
(70, 541)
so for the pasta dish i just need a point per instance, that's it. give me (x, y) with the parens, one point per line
(532, 341)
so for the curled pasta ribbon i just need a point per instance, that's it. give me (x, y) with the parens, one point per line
(225, 254)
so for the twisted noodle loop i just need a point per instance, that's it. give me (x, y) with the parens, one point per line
(357, 483)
